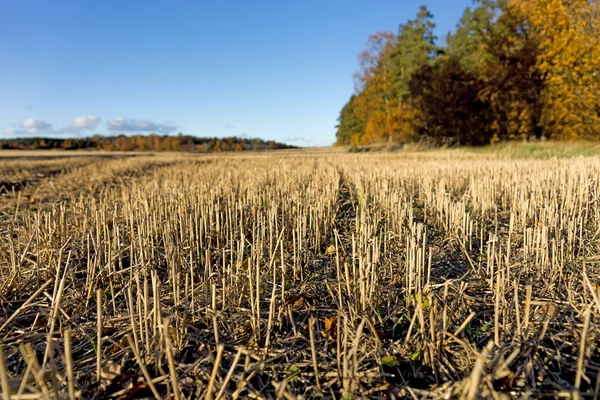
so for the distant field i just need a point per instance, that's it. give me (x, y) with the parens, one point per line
(466, 273)
(541, 150)
(537, 150)
(47, 154)
(505, 150)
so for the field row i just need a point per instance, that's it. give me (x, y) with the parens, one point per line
(264, 276)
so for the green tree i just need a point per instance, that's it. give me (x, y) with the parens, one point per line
(512, 84)
(414, 49)
(415, 46)
(466, 44)
(350, 125)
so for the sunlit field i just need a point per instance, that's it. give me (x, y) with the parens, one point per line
(438, 274)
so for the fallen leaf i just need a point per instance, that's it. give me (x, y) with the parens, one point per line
(330, 327)
(390, 361)
(330, 323)
(121, 345)
(297, 300)
(293, 373)
(417, 355)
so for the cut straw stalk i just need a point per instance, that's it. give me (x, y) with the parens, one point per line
(24, 306)
(438, 241)
(69, 364)
(4, 376)
(142, 366)
(213, 375)
(98, 335)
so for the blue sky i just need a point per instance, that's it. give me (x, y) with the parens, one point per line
(277, 70)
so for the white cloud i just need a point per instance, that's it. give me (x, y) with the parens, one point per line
(296, 139)
(89, 122)
(121, 124)
(30, 126)
(36, 125)
(81, 124)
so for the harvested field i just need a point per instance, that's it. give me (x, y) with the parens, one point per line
(296, 275)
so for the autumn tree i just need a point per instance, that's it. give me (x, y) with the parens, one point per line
(69, 144)
(381, 110)
(512, 84)
(567, 35)
(415, 49)
(446, 95)
(513, 69)
(374, 104)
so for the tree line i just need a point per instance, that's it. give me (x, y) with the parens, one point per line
(513, 69)
(144, 143)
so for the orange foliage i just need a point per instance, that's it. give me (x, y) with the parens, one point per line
(568, 36)
(374, 103)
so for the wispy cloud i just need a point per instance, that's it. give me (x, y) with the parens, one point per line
(30, 126)
(296, 139)
(139, 125)
(81, 124)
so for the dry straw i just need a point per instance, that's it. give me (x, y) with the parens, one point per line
(297, 275)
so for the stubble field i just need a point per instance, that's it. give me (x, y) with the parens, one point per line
(294, 275)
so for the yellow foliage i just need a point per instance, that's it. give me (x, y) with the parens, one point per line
(408, 122)
(375, 104)
(568, 36)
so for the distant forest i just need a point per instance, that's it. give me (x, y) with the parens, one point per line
(513, 69)
(144, 143)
